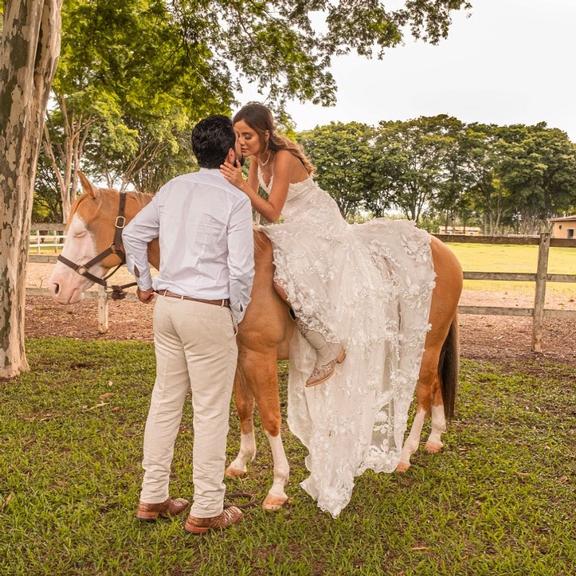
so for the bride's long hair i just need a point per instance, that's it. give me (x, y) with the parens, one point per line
(260, 119)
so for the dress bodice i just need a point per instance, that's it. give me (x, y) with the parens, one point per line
(307, 202)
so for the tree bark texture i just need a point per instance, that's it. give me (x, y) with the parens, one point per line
(28, 56)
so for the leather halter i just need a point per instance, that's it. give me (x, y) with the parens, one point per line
(117, 248)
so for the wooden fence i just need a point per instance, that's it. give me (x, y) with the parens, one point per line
(541, 277)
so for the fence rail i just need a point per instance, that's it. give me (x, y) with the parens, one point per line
(538, 312)
(46, 236)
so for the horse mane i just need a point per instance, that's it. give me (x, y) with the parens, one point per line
(141, 198)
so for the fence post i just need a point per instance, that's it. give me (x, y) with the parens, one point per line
(540, 295)
(102, 310)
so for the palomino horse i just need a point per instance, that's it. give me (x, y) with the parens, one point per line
(264, 334)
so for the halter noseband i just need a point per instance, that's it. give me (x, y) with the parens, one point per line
(117, 248)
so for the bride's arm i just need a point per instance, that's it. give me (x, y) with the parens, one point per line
(272, 207)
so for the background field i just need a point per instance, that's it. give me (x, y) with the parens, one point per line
(473, 257)
(507, 258)
(500, 501)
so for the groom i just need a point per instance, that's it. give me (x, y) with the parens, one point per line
(204, 225)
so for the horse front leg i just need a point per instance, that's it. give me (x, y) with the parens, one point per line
(262, 375)
(244, 400)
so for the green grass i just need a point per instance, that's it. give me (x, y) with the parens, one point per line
(501, 500)
(510, 258)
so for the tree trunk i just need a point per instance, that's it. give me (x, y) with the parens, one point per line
(65, 157)
(30, 48)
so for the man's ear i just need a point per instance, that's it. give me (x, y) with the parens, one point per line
(231, 156)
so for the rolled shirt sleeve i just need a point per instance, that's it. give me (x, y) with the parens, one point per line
(240, 258)
(138, 233)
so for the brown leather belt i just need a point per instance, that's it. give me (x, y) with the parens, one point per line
(223, 303)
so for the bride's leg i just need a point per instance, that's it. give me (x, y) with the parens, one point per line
(328, 354)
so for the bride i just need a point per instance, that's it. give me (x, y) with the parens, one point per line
(361, 296)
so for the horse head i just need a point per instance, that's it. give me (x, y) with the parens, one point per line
(90, 249)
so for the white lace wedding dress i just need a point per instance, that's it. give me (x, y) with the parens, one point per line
(369, 287)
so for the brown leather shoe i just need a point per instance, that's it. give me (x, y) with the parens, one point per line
(230, 515)
(166, 509)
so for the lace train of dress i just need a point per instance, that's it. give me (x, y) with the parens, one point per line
(368, 286)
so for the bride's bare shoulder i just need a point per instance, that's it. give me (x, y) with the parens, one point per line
(291, 164)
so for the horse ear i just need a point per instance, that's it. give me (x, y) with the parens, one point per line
(87, 185)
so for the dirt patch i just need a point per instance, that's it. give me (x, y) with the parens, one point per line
(495, 338)
(505, 339)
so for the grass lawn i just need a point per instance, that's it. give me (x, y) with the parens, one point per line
(501, 500)
(510, 258)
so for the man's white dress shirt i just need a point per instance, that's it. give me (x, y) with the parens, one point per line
(204, 225)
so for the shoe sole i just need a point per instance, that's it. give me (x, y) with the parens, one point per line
(147, 516)
(151, 516)
(339, 359)
(198, 530)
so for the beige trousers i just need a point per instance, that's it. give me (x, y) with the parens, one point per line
(195, 349)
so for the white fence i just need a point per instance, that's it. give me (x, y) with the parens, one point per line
(43, 236)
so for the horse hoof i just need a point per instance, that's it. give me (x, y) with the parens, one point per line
(273, 502)
(433, 447)
(402, 466)
(234, 472)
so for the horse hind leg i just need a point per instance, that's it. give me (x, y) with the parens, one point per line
(244, 400)
(444, 391)
(434, 443)
(427, 381)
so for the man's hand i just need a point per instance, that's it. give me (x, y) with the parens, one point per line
(145, 296)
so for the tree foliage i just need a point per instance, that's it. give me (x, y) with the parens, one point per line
(135, 75)
(286, 47)
(343, 157)
(440, 169)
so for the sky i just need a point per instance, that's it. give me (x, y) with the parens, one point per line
(509, 61)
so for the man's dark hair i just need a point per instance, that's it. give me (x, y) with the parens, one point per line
(211, 140)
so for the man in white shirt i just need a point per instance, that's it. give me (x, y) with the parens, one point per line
(204, 226)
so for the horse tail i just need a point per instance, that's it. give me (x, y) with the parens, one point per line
(449, 367)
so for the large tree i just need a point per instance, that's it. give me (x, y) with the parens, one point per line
(30, 47)
(538, 167)
(343, 156)
(126, 88)
(416, 155)
(134, 74)
(274, 44)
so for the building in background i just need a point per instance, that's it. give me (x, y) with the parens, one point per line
(564, 227)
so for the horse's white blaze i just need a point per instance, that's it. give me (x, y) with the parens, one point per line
(67, 285)
(412, 442)
(247, 452)
(438, 428)
(281, 466)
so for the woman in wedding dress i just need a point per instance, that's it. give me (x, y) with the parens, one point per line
(361, 294)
